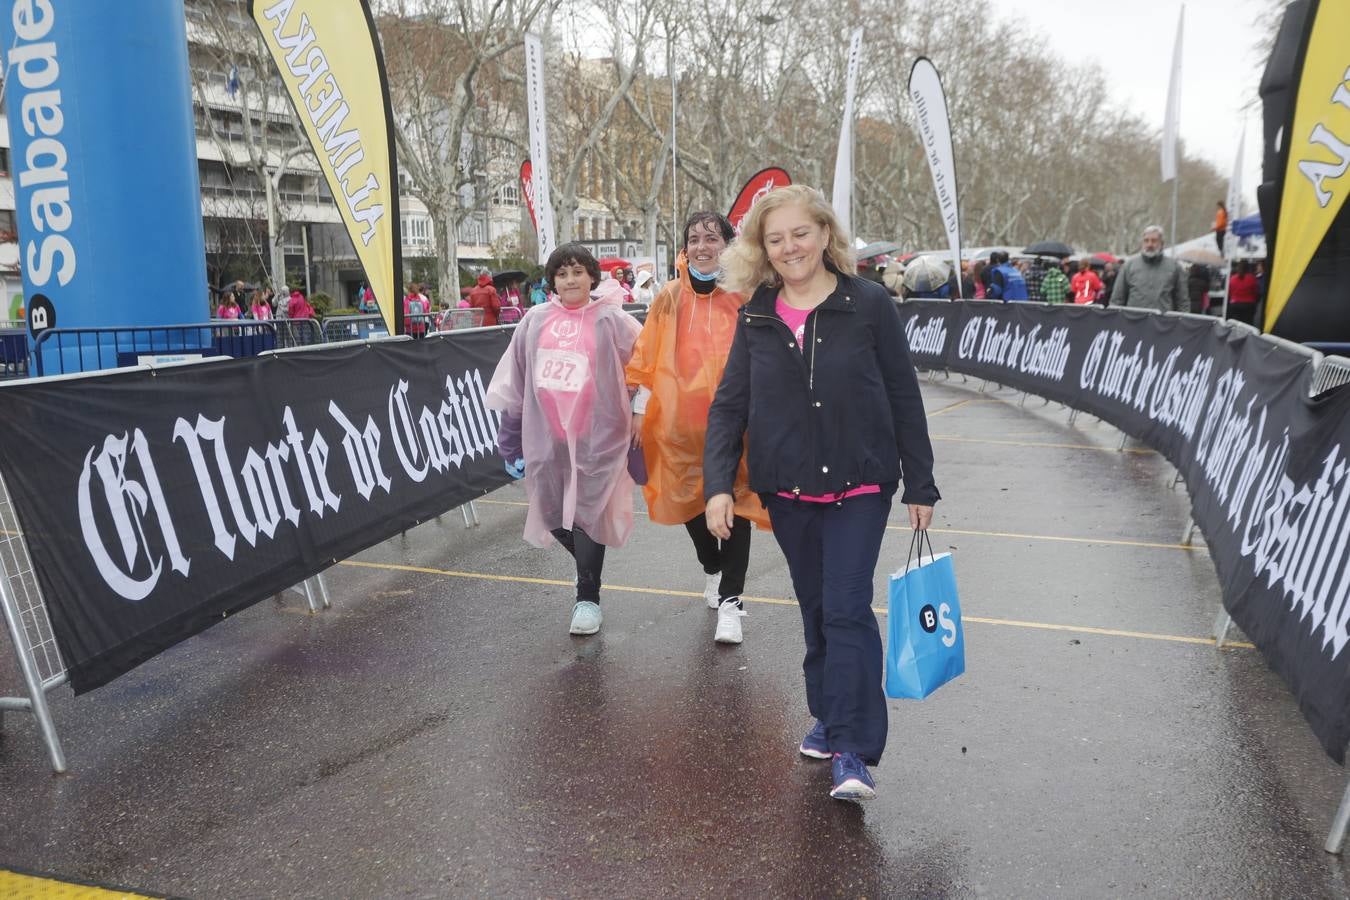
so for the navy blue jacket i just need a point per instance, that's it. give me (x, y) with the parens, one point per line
(844, 411)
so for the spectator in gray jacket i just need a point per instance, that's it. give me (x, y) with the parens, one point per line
(1151, 280)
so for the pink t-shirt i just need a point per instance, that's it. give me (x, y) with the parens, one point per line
(562, 369)
(795, 319)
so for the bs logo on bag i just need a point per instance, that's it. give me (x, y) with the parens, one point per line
(930, 619)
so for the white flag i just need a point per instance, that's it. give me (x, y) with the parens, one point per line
(935, 135)
(1172, 121)
(534, 101)
(1235, 182)
(843, 162)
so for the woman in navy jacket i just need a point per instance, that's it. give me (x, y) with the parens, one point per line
(820, 384)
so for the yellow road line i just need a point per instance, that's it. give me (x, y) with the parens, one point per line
(1140, 451)
(1113, 542)
(780, 601)
(957, 405)
(1057, 538)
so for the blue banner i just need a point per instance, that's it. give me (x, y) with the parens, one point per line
(104, 163)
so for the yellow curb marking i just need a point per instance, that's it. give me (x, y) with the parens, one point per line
(779, 601)
(15, 884)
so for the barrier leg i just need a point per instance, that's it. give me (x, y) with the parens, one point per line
(1123, 438)
(1021, 404)
(983, 385)
(1189, 534)
(1337, 835)
(1176, 480)
(36, 701)
(1221, 626)
(470, 513)
(1073, 417)
(309, 596)
(323, 591)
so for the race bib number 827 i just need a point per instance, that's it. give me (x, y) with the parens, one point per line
(560, 370)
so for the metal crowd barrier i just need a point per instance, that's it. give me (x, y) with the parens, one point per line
(60, 351)
(461, 318)
(13, 350)
(353, 328)
(298, 332)
(1331, 373)
(30, 630)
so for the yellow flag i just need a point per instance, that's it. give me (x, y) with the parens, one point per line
(1315, 179)
(329, 57)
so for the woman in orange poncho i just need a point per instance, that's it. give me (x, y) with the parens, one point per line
(676, 367)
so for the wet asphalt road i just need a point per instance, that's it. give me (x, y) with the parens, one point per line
(438, 733)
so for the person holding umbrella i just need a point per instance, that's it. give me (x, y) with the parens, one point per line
(820, 386)
(676, 366)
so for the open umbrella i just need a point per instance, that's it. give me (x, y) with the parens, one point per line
(1049, 248)
(1106, 257)
(505, 277)
(610, 263)
(877, 248)
(925, 274)
(1204, 257)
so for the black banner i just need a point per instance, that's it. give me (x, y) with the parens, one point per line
(156, 503)
(1265, 465)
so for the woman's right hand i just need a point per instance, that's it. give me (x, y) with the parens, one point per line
(720, 513)
(637, 429)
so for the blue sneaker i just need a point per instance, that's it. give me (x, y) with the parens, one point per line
(585, 617)
(814, 744)
(852, 781)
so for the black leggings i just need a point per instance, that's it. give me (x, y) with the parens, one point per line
(590, 557)
(730, 557)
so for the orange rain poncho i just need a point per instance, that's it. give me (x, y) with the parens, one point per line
(679, 356)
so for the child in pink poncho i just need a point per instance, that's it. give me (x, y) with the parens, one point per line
(566, 419)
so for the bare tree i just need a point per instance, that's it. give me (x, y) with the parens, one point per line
(231, 69)
(451, 81)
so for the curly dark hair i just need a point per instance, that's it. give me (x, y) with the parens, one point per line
(568, 255)
(715, 222)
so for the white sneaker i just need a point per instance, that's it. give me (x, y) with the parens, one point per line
(712, 590)
(586, 618)
(729, 616)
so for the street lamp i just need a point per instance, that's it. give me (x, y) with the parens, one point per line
(764, 19)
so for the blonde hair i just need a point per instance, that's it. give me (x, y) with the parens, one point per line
(745, 264)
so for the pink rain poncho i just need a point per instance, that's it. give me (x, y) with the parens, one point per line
(563, 376)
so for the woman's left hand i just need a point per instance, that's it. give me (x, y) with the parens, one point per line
(920, 516)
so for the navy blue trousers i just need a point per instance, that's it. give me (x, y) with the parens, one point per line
(831, 551)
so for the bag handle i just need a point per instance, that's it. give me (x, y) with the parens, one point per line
(920, 535)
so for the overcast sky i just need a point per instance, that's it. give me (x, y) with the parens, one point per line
(1132, 41)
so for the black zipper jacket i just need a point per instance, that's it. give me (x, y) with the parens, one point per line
(842, 411)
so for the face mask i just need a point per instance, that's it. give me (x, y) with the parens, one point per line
(695, 273)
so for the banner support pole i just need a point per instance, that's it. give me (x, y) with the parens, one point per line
(1336, 837)
(1173, 243)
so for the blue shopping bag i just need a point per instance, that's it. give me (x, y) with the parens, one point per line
(926, 646)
